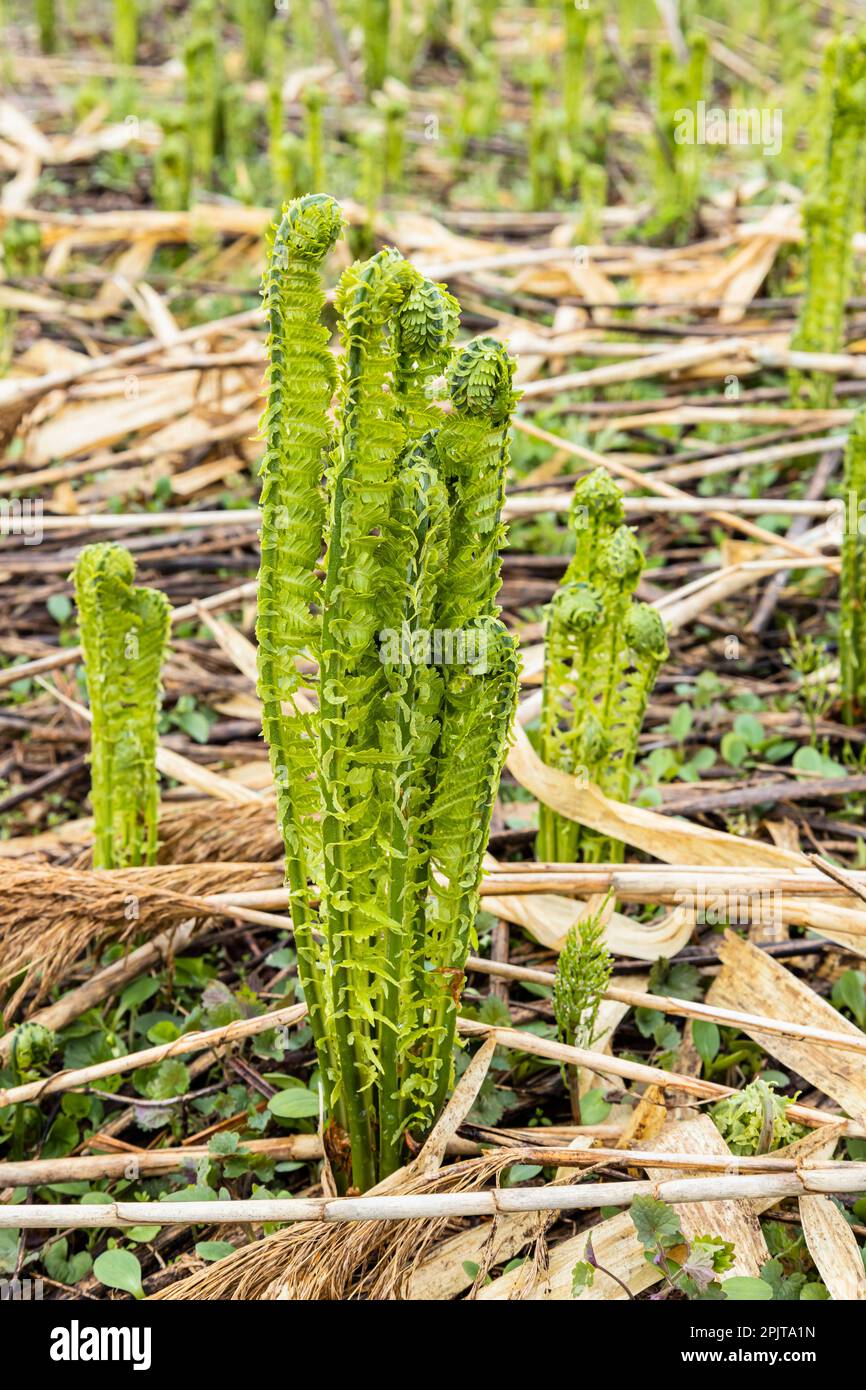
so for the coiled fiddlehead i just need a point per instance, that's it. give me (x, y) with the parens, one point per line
(363, 806)
(301, 380)
(602, 655)
(852, 584)
(833, 212)
(124, 632)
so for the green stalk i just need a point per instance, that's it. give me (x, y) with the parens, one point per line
(833, 212)
(125, 31)
(297, 439)
(124, 632)
(852, 586)
(602, 655)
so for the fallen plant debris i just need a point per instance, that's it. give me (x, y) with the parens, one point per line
(431, 674)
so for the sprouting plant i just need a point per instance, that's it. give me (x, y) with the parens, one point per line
(576, 21)
(583, 970)
(124, 632)
(385, 787)
(603, 652)
(33, 1046)
(46, 23)
(238, 119)
(478, 104)
(171, 173)
(542, 142)
(833, 211)
(252, 17)
(809, 659)
(755, 1120)
(285, 152)
(593, 196)
(395, 109)
(376, 15)
(203, 80)
(125, 31)
(22, 245)
(314, 100)
(852, 582)
(678, 87)
(688, 1267)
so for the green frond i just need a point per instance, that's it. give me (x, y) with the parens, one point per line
(124, 633)
(388, 784)
(833, 211)
(603, 652)
(852, 583)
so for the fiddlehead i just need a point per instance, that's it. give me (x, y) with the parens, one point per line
(852, 586)
(124, 632)
(479, 704)
(388, 784)
(602, 655)
(301, 380)
(473, 451)
(833, 212)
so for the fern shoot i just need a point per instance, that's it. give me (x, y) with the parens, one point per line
(125, 31)
(583, 971)
(386, 783)
(124, 632)
(314, 100)
(46, 24)
(852, 583)
(678, 87)
(376, 19)
(603, 652)
(576, 22)
(203, 83)
(833, 212)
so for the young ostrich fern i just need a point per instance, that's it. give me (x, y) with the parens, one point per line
(583, 972)
(603, 652)
(124, 632)
(833, 212)
(852, 587)
(386, 783)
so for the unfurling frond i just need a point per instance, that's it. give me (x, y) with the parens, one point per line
(602, 655)
(387, 782)
(124, 632)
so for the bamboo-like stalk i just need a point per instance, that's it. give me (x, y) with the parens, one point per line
(151, 1056)
(831, 1178)
(519, 506)
(507, 1037)
(624, 1067)
(36, 1172)
(685, 1008)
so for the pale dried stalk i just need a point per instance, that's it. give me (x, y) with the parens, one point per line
(835, 1177)
(152, 1056)
(635, 1071)
(146, 1163)
(684, 1008)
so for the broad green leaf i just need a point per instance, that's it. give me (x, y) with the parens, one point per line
(294, 1104)
(214, 1249)
(119, 1269)
(742, 1288)
(706, 1037)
